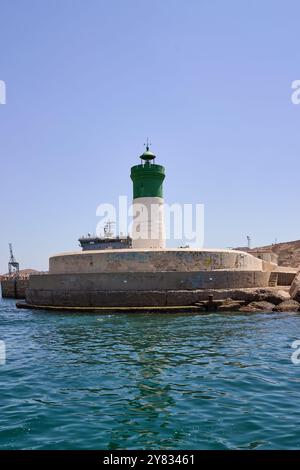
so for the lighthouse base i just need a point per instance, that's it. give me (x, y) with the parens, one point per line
(143, 278)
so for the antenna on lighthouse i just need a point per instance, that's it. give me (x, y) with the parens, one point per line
(147, 144)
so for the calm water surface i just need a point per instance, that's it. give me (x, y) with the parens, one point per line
(148, 381)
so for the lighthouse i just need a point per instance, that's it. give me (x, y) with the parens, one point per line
(148, 228)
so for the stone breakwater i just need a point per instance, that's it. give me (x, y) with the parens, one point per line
(281, 302)
(222, 300)
(149, 278)
(254, 300)
(14, 288)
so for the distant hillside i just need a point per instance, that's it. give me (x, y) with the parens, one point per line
(23, 272)
(288, 253)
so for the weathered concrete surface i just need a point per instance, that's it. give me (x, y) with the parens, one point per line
(98, 298)
(268, 266)
(115, 298)
(160, 298)
(266, 255)
(14, 288)
(286, 278)
(183, 297)
(150, 281)
(295, 288)
(145, 277)
(187, 260)
(274, 295)
(109, 310)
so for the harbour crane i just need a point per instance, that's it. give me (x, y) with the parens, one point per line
(13, 265)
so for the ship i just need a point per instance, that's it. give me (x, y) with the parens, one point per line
(108, 241)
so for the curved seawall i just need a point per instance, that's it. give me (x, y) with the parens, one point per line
(131, 260)
(126, 289)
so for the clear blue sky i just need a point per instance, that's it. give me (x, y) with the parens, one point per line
(208, 81)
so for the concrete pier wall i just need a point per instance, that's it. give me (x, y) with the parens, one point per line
(286, 278)
(187, 260)
(120, 289)
(14, 288)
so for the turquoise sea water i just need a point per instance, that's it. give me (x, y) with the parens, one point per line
(145, 381)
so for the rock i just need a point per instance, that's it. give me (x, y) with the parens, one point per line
(246, 295)
(272, 295)
(288, 306)
(269, 294)
(263, 305)
(295, 288)
(246, 309)
(234, 306)
(276, 296)
(230, 305)
(260, 306)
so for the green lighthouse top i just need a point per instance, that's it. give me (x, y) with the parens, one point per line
(147, 177)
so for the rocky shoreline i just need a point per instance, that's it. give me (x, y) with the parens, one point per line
(275, 299)
(230, 305)
(246, 300)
